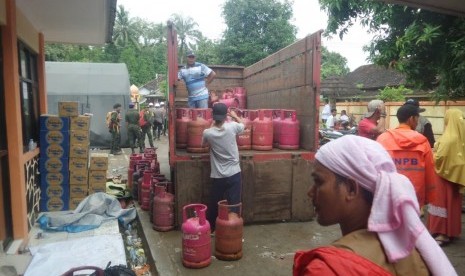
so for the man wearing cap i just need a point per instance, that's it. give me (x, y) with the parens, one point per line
(159, 117)
(424, 125)
(134, 131)
(224, 159)
(196, 76)
(411, 152)
(374, 121)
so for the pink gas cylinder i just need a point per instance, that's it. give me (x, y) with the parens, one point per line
(262, 130)
(141, 166)
(156, 178)
(228, 99)
(132, 167)
(150, 151)
(289, 137)
(228, 231)
(241, 96)
(244, 139)
(276, 126)
(200, 121)
(196, 240)
(163, 208)
(144, 194)
(182, 119)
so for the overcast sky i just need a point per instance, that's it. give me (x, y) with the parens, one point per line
(207, 14)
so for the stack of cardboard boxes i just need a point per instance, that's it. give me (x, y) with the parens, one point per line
(98, 166)
(79, 159)
(67, 175)
(53, 162)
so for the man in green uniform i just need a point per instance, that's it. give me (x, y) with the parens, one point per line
(134, 131)
(146, 124)
(114, 128)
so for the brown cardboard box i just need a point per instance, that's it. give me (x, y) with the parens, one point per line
(68, 109)
(98, 161)
(78, 177)
(81, 122)
(97, 177)
(78, 164)
(79, 151)
(79, 137)
(74, 202)
(78, 190)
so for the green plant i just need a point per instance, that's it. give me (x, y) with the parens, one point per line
(394, 94)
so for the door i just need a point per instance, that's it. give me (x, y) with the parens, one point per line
(6, 224)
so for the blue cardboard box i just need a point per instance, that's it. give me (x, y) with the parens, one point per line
(53, 122)
(53, 164)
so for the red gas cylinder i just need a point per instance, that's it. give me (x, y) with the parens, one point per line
(241, 96)
(228, 99)
(182, 119)
(289, 137)
(244, 139)
(196, 240)
(262, 130)
(276, 126)
(201, 120)
(144, 194)
(132, 167)
(156, 178)
(150, 151)
(141, 166)
(163, 208)
(228, 231)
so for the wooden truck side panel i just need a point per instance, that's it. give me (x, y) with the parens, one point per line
(274, 183)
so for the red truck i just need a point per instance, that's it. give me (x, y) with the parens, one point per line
(275, 183)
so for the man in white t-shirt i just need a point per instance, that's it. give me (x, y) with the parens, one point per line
(326, 112)
(224, 160)
(331, 122)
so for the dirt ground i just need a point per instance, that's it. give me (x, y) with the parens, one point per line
(268, 249)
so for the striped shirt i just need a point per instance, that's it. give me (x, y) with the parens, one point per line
(194, 77)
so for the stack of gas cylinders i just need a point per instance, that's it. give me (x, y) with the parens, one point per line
(235, 97)
(196, 240)
(265, 129)
(151, 189)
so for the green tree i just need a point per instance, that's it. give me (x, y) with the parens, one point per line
(126, 30)
(255, 29)
(188, 34)
(333, 64)
(428, 47)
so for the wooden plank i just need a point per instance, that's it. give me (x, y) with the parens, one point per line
(272, 190)
(248, 191)
(302, 208)
(191, 184)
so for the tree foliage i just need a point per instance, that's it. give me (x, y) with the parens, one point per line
(141, 45)
(428, 47)
(333, 64)
(188, 35)
(394, 94)
(255, 29)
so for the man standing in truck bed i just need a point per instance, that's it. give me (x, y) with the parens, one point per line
(196, 76)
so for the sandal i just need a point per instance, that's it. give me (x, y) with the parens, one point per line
(442, 240)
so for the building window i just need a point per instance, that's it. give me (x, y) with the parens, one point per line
(29, 89)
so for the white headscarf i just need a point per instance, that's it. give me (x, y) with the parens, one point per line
(394, 212)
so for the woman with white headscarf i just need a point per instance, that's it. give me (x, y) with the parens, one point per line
(357, 186)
